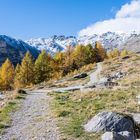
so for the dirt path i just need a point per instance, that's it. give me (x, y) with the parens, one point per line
(95, 76)
(32, 121)
(94, 79)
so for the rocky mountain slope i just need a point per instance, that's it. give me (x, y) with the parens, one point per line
(133, 43)
(54, 43)
(14, 49)
(99, 110)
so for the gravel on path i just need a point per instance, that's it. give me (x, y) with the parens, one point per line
(32, 120)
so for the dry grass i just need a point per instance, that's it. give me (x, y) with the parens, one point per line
(86, 68)
(131, 66)
(69, 80)
(74, 109)
(9, 105)
(9, 95)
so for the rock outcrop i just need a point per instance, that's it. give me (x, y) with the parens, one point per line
(115, 126)
(110, 121)
(116, 76)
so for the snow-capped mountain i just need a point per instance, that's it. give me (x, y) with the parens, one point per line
(132, 43)
(53, 44)
(14, 49)
(109, 40)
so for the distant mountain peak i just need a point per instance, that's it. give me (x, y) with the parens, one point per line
(54, 43)
(15, 49)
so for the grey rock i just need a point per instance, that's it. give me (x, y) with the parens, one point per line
(110, 121)
(110, 84)
(116, 76)
(79, 76)
(2, 96)
(125, 135)
(90, 86)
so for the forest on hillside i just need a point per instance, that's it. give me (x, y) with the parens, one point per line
(46, 67)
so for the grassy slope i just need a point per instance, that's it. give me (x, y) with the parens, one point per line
(74, 109)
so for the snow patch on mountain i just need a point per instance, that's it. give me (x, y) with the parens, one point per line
(53, 44)
(109, 40)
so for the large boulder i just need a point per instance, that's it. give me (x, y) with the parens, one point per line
(125, 135)
(110, 121)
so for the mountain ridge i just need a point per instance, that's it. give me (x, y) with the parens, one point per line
(109, 40)
(15, 49)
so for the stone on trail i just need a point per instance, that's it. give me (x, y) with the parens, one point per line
(2, 96)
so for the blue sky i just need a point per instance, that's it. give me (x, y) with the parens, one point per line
(27, 19)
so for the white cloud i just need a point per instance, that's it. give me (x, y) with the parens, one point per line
(127, 19)
(129, 10)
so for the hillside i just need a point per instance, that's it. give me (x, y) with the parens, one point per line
(74, 109)
(14, 49)
(62, 109)
(133, 43)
